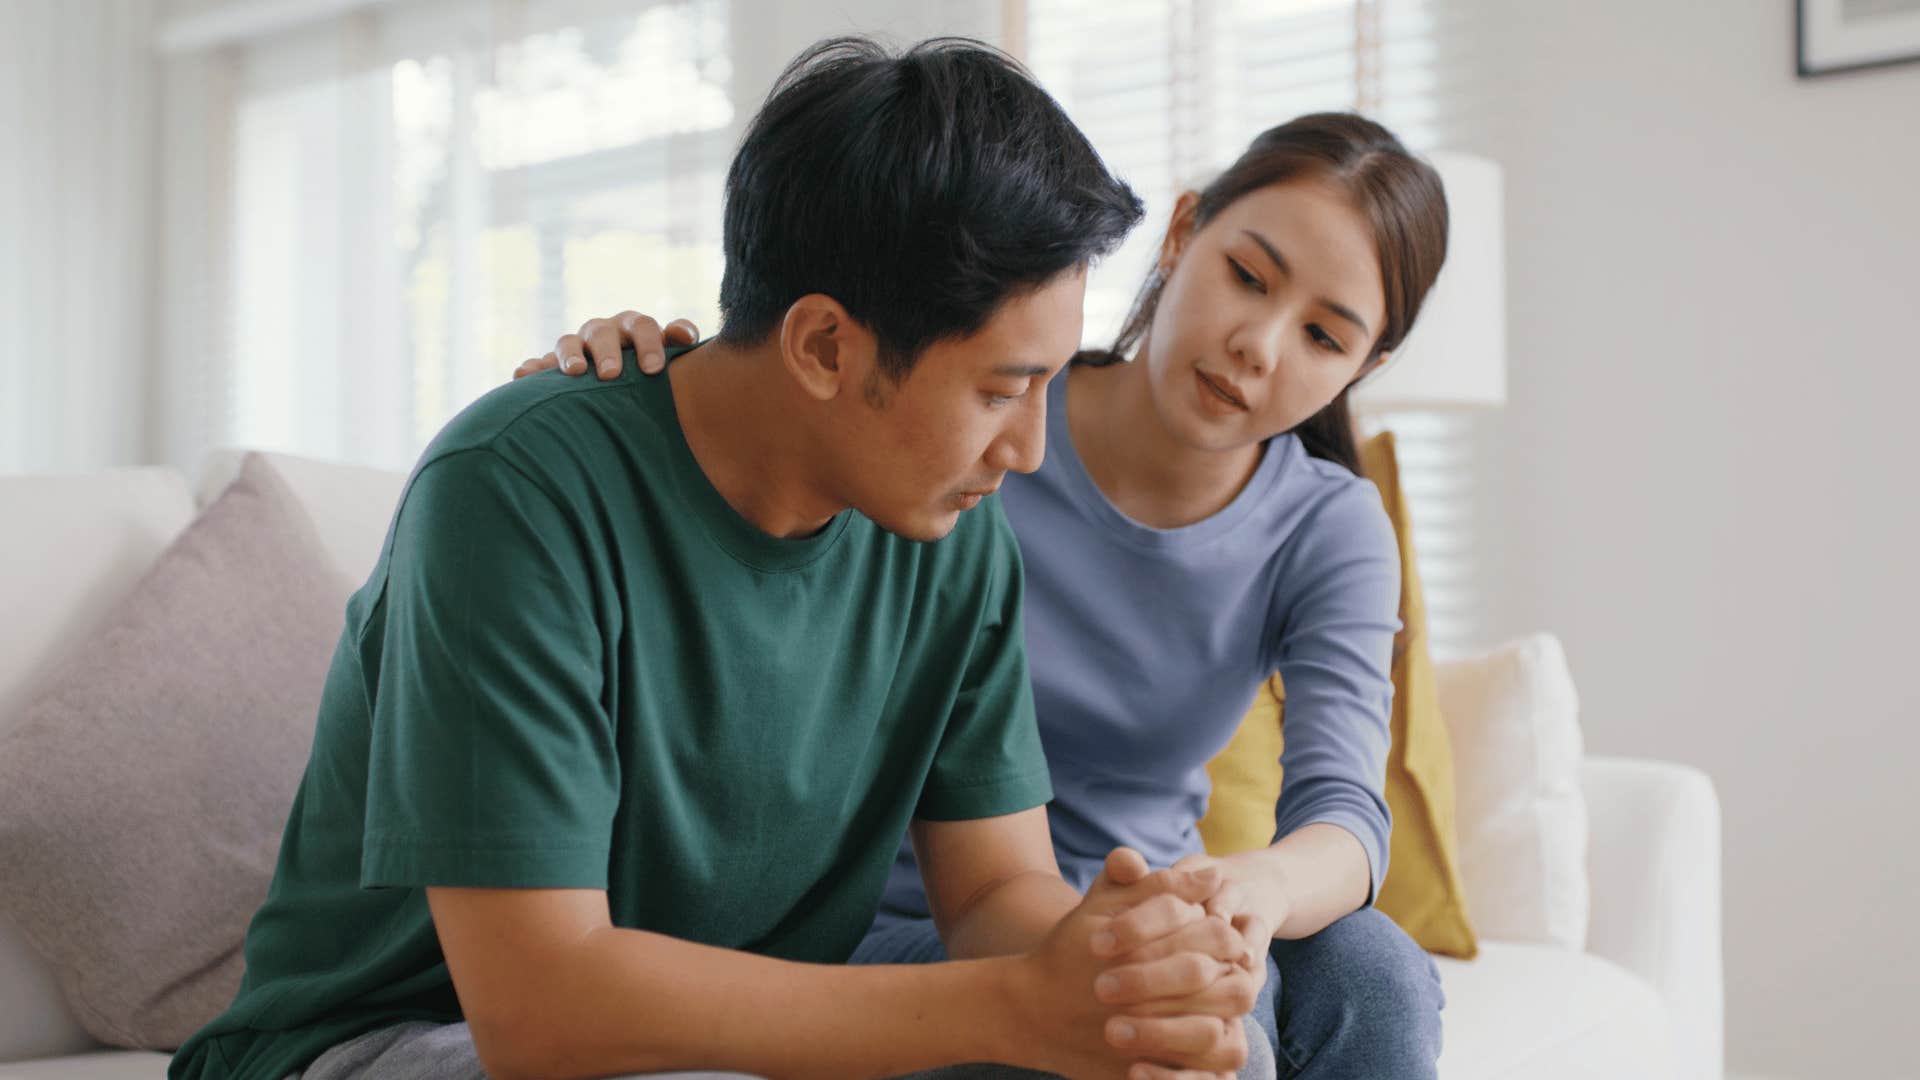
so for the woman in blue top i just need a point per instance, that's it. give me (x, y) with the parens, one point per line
(1199, 524)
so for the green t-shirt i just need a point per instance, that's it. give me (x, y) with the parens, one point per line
(576, 666)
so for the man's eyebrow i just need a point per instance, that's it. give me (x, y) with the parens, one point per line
(1022, 371)
(1273, 253)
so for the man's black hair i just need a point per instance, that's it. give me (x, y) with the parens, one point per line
(920, 190)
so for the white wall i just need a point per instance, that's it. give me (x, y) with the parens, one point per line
(1706, 472)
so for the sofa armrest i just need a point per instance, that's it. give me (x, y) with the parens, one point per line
(1653, 859)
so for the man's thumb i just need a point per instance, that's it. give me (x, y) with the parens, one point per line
(1124, 867)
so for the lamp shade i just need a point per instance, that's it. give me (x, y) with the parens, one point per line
(1456, 356)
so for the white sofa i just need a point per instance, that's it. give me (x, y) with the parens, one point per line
(1642, 1001)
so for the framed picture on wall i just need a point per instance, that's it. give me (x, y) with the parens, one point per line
(1846, 35)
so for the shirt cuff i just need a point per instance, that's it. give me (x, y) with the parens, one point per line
(986, 798)
(411, 862)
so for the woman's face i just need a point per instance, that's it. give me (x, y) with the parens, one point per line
(1269, 311)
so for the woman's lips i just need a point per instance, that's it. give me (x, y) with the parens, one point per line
(1220, 390)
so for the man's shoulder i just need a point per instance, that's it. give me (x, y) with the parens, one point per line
(540, 412)
(569, 436)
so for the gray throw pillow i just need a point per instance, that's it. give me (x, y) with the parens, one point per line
(145, 787)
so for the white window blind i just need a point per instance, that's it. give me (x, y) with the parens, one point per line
(1171, 91)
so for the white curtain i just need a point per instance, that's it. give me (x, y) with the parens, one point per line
(76, 233)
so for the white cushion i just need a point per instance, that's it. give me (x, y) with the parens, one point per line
(1535, 1012)
(72, 548)
(351, 505)
(109, 1065)
(1522, 820)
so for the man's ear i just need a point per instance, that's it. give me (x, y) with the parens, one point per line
(1179, 230)
(824, 348)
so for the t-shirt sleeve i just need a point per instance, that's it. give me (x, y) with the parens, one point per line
(491, 756)
(1334, 652)
(989, 761)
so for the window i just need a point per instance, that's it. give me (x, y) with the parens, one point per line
(422, 197)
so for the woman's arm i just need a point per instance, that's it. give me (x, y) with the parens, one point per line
(1306, 880)
(1336, 619)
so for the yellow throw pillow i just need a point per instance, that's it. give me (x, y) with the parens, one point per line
(1422, 891)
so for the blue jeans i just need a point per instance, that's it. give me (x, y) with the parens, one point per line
(1358, 999)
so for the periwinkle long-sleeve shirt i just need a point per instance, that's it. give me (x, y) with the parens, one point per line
(1147, 646)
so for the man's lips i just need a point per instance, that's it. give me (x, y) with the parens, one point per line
(1226, 391)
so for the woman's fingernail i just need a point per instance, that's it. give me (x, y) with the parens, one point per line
(1122, 1032)
(1106, 984)
(654, 362)
(573, 366)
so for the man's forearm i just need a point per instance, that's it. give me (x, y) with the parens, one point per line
(628, 1001)
(1012, 917)
(1307, 879)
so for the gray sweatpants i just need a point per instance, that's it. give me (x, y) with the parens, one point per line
(422, 1050)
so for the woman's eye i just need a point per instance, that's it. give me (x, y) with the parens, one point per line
(1324, 339)
(1246, 277)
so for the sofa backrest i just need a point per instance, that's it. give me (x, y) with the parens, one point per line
(70, 548)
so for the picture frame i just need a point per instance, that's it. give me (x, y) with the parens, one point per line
(1850, 35)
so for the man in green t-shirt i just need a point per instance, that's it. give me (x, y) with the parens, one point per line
(651, 676)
